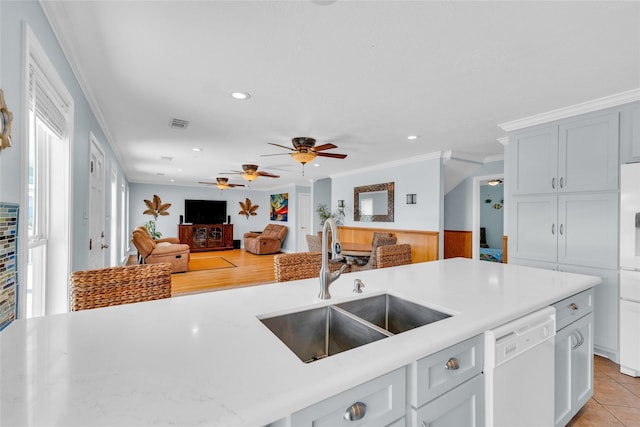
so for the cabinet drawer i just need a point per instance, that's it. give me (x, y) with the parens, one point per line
(383, 398)
(462, 406)
(571, 309)
(429, 377)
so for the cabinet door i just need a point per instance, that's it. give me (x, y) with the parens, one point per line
(573, 368)
(605, 308)
(228, 235)
(588, 230)
(533, 228)
(462, 406)
(630, 134)
(533, 158)
(588, 154)
(214, 236)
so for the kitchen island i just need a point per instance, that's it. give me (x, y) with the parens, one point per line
(207, 359)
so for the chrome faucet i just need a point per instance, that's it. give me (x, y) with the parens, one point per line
(326, 276)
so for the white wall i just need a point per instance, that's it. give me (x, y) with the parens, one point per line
(458, 203)
(421, 176)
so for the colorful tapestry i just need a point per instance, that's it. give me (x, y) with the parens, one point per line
(8, 263)
(279, 207)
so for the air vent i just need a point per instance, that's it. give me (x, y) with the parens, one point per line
(179, 123)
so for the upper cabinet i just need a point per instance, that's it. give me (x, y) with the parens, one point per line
(576, 155)
(630, 133)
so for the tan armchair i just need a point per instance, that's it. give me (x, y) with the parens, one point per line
(153, 251)
(267, 242)
(144, 230)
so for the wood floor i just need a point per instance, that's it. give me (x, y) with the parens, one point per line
(615, 401)
(251, 270)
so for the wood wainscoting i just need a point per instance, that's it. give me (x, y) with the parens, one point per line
(424, 244)
(457, 243)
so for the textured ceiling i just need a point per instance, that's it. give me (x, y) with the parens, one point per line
(360, 74)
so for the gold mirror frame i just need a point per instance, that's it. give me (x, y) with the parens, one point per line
(357, 191)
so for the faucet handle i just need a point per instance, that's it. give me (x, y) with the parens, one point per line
(357, 286)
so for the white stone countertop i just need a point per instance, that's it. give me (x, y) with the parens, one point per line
(206, 359)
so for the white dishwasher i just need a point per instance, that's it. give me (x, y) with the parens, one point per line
(519, 371)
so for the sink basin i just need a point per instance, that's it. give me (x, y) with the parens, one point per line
(320, 332)
(391, 313)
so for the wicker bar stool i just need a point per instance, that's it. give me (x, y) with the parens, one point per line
(300, 265)
(377, 243)
(389, 256)
(120, 285)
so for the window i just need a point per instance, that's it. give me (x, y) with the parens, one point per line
(50, 122)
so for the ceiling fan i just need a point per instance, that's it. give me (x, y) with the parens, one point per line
(305, 150)
(222, 183)
(251, 173)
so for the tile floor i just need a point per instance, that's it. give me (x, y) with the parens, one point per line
(615, 401)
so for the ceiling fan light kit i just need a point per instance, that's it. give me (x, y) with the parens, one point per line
(303, 156)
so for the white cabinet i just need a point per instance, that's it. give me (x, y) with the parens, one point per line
(578, 154)
(447, 387)
(572, 229)
(605, 309)
(574, 357)
(630, 133)
(378, 402)
(462, 406)
(563, 203)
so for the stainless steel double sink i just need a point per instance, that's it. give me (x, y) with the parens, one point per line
(317, 333)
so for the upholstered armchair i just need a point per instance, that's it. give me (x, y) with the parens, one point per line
(267, 242)
(153, 252)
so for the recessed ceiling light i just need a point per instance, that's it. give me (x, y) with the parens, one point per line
(196, 149)
(316, 164)
(172, 180)
(240, 95)
(412, 137)
(179, 170)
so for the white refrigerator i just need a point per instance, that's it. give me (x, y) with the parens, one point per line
(630, 269)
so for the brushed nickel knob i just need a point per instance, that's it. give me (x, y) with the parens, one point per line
(355, 412)
(452, 364)
(573, 306)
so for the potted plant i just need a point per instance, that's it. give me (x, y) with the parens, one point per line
(325, 213)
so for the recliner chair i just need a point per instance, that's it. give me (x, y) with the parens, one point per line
(153, 252)
(267, 242)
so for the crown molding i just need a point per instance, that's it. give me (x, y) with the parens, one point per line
(401, 162)
(573, 110)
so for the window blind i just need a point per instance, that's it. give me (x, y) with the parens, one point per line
(45, 101)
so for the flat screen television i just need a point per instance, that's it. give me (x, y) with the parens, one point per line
(205, 211)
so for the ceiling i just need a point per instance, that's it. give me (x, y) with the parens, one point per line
(362, 75)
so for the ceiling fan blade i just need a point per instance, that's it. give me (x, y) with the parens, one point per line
(236, 185)
(281, 146)
(333, 155)
(268, 175)
(207, 183)
(279, 154)
(231, 173)
(324, 147)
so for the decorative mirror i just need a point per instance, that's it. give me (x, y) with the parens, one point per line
(373, 203)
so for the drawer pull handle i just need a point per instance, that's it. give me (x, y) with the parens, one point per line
(452, 364)
(573, 306)
(355, 412)
(579, 340)
(553, 183)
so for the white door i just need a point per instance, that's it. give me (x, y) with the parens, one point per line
(304, 220)
(96, 206)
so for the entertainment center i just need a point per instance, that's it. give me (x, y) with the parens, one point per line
(205, 229)
(206, 237)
